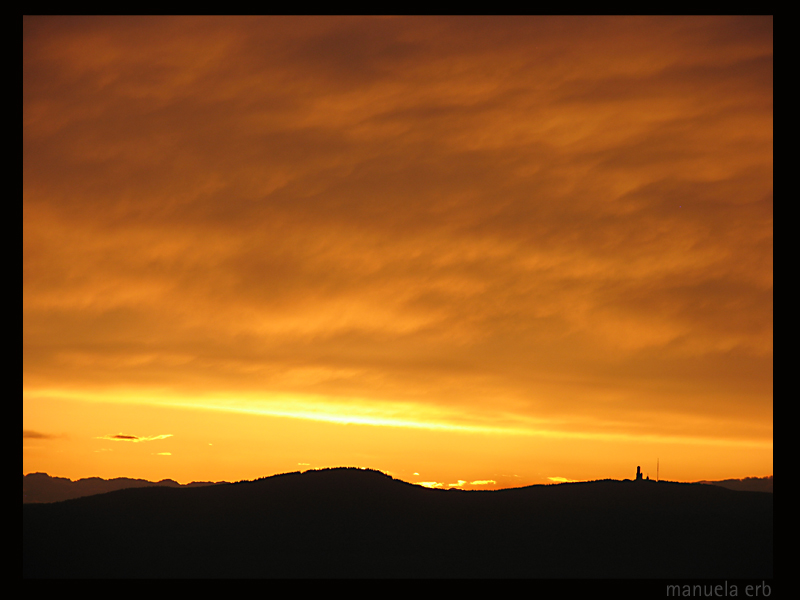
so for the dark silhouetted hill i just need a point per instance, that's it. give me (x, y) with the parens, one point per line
(361, 523)
(748, 484)
(40, 487)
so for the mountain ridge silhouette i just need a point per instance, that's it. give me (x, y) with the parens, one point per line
(351, 522)
(41, 487)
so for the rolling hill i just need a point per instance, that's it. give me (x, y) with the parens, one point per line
(361, 523)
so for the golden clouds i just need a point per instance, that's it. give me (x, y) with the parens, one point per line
(540, 217)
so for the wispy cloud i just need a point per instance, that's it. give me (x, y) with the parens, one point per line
(121, 437)
(37, 435)
(430, 484)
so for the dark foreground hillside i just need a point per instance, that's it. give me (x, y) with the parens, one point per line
(357, 523)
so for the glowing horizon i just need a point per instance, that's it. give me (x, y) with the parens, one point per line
(365, 413)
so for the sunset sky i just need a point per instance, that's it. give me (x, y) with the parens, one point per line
(478, 251)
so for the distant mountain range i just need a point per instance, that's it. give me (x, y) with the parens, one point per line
(748, 484)
(41, 487)
(362, 523)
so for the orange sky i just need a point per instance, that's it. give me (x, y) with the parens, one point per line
(476, 251)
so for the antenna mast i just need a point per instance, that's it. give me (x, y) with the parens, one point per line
(657, 465)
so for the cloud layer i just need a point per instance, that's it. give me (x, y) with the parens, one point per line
(565, 221)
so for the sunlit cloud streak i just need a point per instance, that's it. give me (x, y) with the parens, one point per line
(121, 437)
